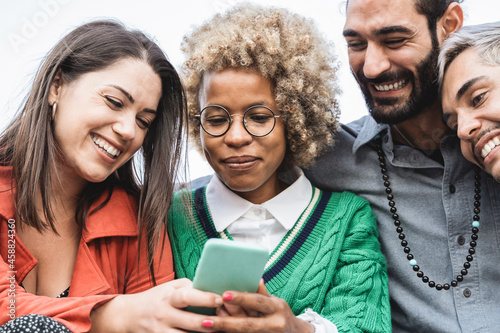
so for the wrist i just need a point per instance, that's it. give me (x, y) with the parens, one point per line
(304, 326)
(108, 317)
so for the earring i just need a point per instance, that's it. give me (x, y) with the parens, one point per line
(54, 108)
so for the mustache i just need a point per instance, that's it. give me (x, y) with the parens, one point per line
(385, 77)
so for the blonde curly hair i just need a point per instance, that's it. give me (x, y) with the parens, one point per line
(283, 47)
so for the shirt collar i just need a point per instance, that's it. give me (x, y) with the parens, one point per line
(226, 206)
(369, 129)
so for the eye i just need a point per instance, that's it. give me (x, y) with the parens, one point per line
(451, 121)
(478, 100)
(114, 102)
(144, 124)
(395, 42)
(217, 120)
(356, 45)
(452, 125)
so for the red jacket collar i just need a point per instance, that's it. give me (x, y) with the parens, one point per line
(98, 225)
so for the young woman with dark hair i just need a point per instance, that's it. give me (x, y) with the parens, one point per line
(77, 229)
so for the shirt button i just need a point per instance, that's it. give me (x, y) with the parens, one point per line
(452, 189)
(467, 292)
(461, 240)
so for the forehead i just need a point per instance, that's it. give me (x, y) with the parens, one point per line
(465, 69)
(369, 16)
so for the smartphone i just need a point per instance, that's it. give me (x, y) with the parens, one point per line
(227, 265)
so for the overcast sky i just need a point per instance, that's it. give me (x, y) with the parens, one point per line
(29, 28)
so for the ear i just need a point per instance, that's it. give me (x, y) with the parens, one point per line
(451, 21)
(55, 88)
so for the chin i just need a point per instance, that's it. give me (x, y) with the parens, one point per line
(96, 178)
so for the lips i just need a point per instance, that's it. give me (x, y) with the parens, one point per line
(240, 162)
(489, 146)
(105, 146)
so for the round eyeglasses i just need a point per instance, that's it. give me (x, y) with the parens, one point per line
(258, 120)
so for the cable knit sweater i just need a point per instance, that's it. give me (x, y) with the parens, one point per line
(330, 261)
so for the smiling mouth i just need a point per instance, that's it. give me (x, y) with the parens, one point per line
(105, 146)
(489, 146)
(390, 87)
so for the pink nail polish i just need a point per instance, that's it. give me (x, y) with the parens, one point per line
(227, 297)
(208, 323)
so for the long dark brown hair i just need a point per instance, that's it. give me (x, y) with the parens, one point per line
(28, 143)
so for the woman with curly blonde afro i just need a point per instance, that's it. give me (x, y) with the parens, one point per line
(262, 102)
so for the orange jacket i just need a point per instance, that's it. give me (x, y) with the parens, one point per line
(106, 263)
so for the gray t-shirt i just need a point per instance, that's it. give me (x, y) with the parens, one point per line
(435, 205)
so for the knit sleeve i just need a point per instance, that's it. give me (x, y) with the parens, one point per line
(358, 300)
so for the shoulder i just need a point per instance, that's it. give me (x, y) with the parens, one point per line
(110, 216)
(348, 206)
(347, 201)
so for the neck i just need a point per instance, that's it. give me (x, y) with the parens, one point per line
(67, 190)
(264, 193)
(423, 131)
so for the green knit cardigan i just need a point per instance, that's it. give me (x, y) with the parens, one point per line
(330, 261)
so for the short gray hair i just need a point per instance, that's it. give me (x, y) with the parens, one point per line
(485, 38)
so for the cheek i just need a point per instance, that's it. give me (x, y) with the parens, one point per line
(138, 142)
(279, 144)
(209, 147)
(355, 60)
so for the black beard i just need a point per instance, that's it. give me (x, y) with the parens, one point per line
(424, 93)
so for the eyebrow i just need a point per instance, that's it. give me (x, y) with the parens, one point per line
(466, 86)
(129, 97)
(379, 32)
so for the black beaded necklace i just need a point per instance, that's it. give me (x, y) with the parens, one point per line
(404, 242)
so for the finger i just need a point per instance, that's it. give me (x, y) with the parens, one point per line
(184, 297)
(241, 324)
(188, 321)
(251, 302)
(222, 312)
(262, 288)
(234, 310)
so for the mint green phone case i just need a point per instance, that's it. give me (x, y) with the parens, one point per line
(227, 265)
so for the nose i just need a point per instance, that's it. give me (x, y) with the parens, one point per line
(376, 61)
(126, 126)
(237, 135)
(467, 127)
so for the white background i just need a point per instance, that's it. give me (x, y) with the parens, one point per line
(29, 28)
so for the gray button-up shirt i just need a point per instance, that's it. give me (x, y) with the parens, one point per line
(435, 205)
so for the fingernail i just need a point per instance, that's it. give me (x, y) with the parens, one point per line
(208, 323)
(227, 297)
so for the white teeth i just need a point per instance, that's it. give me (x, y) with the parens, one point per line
(488, 147)
(106, 146)
(394, 86)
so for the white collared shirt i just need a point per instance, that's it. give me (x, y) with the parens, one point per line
(265, 224)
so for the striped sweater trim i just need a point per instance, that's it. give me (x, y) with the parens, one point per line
(289, 246)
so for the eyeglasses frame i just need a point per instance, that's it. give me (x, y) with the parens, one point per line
(231, 119)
